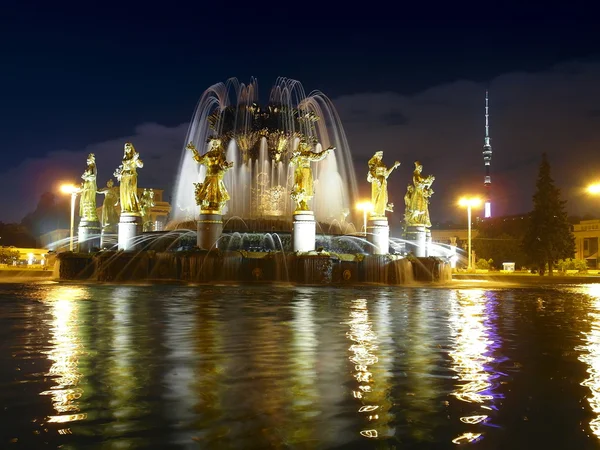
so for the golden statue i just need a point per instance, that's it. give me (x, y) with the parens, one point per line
(146, 203)
(378, 174)
(126, 173)
(303, 191)
(87, 203)
(110, 216)
(417, 198)
(211, 194)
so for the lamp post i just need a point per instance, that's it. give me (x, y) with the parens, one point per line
(469, 202)
(365, 207)
(73, 190)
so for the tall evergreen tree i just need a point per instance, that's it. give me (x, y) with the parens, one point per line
(548, 237)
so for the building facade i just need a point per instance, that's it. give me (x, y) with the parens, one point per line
(587, 235)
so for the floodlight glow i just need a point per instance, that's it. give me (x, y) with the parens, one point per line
(68, 189)
(594, 188)
(469, 201)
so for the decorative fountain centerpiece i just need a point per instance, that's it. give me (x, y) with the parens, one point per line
(276, 151)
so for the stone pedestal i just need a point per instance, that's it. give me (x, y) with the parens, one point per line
(89, 236)
(210, 228)
(130, 226)
(378, 234)
(304, 231)
(108, 238)
(417, 237)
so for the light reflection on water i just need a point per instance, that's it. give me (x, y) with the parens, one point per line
(63, 302)
(471, 329)
(281, 367)
(590, 355)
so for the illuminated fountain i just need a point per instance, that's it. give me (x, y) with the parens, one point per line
(265, 191)
(261, 142)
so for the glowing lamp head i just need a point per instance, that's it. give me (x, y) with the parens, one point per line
(365, 206)
(68, 189)
(469, 201)
(594, 189)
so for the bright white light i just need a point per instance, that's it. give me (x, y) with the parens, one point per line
(364, 206)
(469, 201)
(68, 189)
(594, 188)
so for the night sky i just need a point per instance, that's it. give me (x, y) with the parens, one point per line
(83, 78)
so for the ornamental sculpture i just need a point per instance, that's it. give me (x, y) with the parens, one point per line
(211, 194)
(126, 173)
(302, 191)
(87, 203)
(377, 176)
(417, 198)
(146, 204)
(110, 214)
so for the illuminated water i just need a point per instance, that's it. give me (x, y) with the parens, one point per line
(102, 366)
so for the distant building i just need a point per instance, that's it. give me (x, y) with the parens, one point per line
(587, 234)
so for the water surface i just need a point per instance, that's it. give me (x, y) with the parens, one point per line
(245, 367)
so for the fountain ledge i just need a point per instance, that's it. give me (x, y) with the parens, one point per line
(239, 266)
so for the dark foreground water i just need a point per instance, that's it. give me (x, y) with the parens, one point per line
(84, 366)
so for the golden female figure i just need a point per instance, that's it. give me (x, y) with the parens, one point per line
(211, 194)
(87, 203)
(417, 198)
(127, 175)
(303, 190)
(110, 216)
(377, 176)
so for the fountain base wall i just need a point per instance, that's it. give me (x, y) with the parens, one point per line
(247, 267)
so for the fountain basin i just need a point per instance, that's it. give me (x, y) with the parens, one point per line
(218, 266)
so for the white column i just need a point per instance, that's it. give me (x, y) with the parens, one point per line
(304, 231)
(378, 234)
(130, 226)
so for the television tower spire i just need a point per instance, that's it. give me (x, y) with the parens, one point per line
(487, 159)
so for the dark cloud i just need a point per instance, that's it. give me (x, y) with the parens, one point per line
(159, 146)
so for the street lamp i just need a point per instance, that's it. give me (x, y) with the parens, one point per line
(365, 207)
(469, 202)
(73, 190)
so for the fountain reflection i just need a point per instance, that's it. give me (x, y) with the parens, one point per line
(371, 374)
(121, 365)
(66, 349)
(591, 356)
(475, 344)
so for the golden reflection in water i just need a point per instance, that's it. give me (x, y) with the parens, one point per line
(66, 348)
(468, 317)
(421, 405)
(304, 379)
(121, 367)
(368, 391)
(591, 355)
